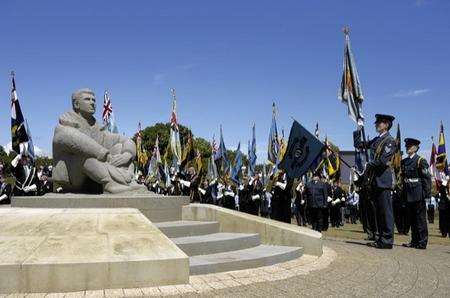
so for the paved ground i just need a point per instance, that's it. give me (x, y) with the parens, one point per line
(362, 271)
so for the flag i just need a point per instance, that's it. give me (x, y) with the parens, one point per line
(333, 164)
(156, 150)
(441, 158)
(212, 168)
(188, 152)
(236, 170)
(397, 160)
(252, 154)
(152, 170)
(302, 149)
(139, 152)
(30, 146)
(175, 143)
(167, 181)
(108, 116)
(316, 132)
(273, 145)
(19, 136)
(433, 170)
(107, 108)
(198, 162)
(350, 92)
(221, 156)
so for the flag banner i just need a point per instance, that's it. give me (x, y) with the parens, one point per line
(30, 145)
(199, 163)
(157, 152)
(316, 132)
(333, 165)
(188, 152)
(350, 92)
(397, 160)
(221, 157)
(302, 149)
(441, 157)
(273, 145)
(433, 170)
(139, 152)
(107, 115)
(252, 154)
(19, 134)
(175, 144)
(237, 168)
(167, 181)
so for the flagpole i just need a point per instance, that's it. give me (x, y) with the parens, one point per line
(360, 120)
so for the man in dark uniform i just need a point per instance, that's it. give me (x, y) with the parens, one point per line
(281, 199)
(25, 174)
(338, 196)
(416, 188)
(316, 200)
(381, 180)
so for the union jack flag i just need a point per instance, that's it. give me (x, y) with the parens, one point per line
(107, 108)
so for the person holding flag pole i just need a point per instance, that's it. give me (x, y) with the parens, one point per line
(378, 173)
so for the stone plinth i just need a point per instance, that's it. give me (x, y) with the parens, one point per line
(271, 231)
(60, 250)
(155, 207)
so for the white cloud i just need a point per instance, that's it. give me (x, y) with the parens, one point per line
(38, 151)
(410, 93)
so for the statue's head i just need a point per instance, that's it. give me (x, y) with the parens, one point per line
(83, 102)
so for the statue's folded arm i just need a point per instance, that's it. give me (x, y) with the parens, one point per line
(73, 141)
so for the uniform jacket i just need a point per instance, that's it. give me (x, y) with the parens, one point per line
(416, 178)
(383, 149)
(316, 194)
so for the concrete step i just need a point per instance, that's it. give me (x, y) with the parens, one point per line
(262, 255)
(216, 243)
(184, 228)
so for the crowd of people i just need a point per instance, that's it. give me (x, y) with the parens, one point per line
(27, 179)
(319, 203)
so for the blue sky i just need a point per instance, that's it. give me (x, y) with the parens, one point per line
(228, 61)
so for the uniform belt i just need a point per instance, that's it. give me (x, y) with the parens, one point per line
(412, 180)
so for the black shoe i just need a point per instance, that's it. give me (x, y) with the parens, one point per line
(409, 245)
(384, 246)
(372, 244)
(369, 238)
(421, 247)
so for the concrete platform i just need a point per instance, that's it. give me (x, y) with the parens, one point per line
(60, 250)
(155, 207)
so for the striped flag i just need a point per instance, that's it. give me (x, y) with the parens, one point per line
(441, 157)
(236, 170)
(175, 144)
(273, 144)
(108, 115)
(107, 108)
(221, 156)
(350, 92)
(19, 135)
(252, 154)
(433, 170)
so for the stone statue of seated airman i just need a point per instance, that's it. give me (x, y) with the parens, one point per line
(87, 157)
